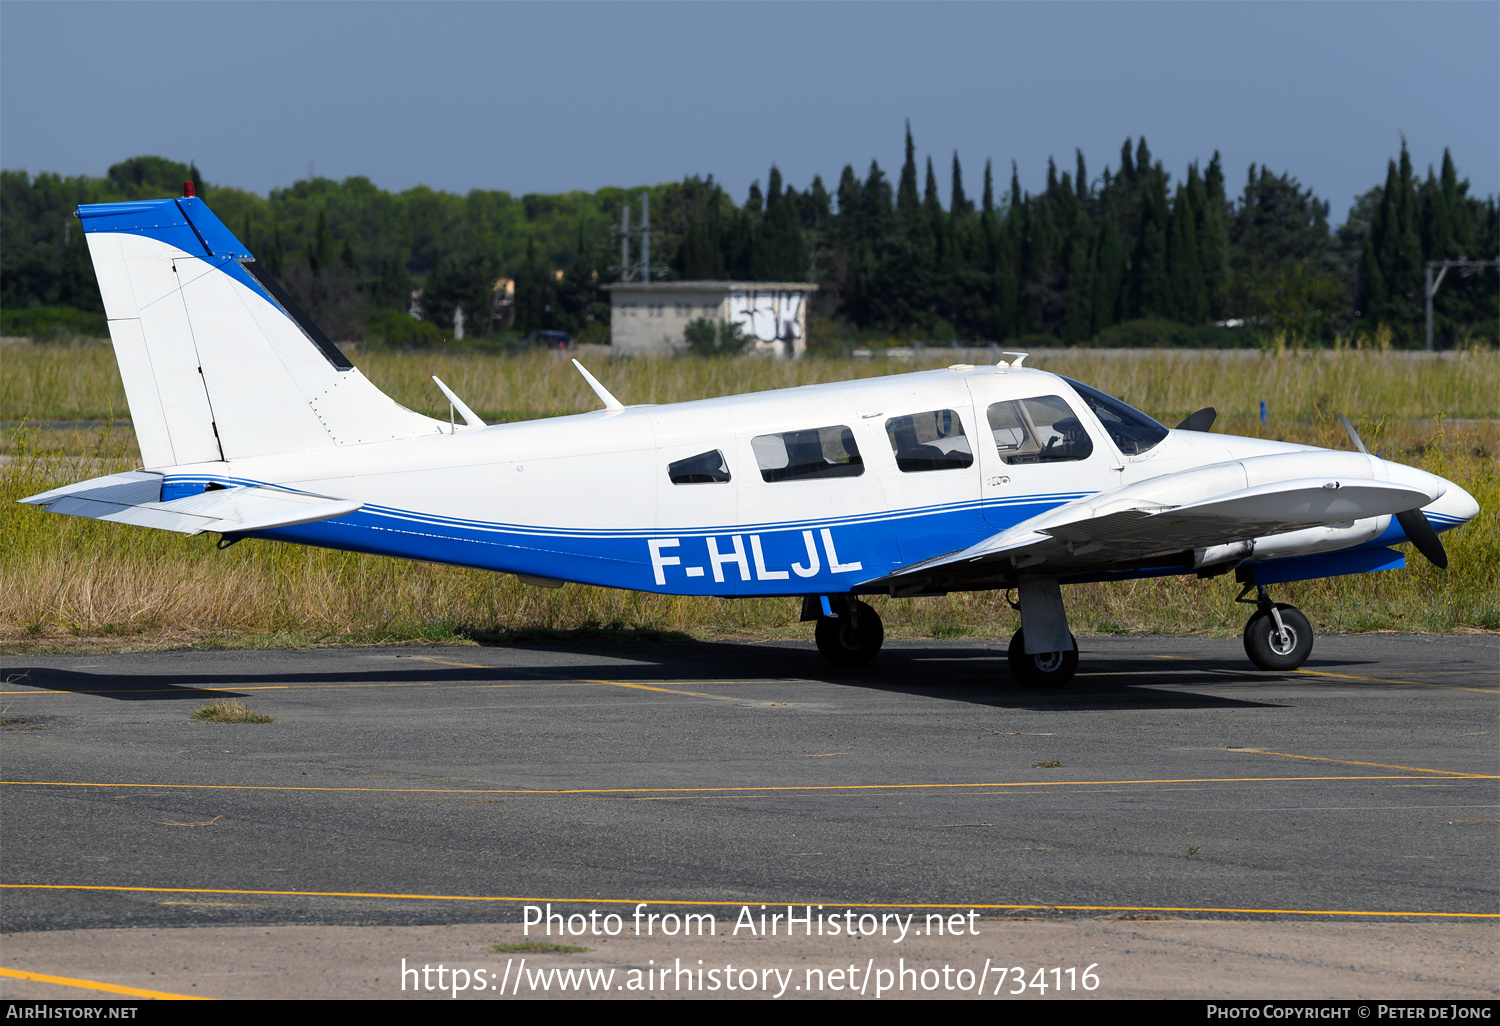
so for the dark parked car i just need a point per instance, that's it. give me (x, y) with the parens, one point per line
(552, 340)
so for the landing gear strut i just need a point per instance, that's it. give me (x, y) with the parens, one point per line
(1042, 613)
(853, 636)
(1277, 636)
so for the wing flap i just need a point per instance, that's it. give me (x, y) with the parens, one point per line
(134, 498)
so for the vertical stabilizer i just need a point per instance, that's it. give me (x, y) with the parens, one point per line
(218, 362)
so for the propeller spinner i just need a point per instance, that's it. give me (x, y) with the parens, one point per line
(1416, 527)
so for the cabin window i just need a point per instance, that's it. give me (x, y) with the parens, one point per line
(929, 441)
(704, 468)
(1133, 432)
(814, 452)
(1040, 430)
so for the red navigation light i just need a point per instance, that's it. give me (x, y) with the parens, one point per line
(187, 188)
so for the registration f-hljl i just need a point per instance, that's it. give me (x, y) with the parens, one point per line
(252, 424)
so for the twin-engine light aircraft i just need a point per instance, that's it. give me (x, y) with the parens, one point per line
(253, 424)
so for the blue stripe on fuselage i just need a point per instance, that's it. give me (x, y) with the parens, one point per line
(830, 555)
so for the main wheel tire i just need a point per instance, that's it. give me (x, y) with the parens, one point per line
(1270, 652)
(1041, 669)
(844, 644)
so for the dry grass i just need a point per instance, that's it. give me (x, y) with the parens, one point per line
(230, 710)
(71, 583)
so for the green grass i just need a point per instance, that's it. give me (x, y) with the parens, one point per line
(74, 584)
(537, 947)
(230, 710)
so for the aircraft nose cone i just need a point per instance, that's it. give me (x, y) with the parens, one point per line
(1456, 508)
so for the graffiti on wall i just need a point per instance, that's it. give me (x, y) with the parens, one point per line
(767, 317)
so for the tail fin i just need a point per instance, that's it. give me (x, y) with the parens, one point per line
(218, 362)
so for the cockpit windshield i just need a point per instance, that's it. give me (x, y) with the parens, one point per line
(1132, 431)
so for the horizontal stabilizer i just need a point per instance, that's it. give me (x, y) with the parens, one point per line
(134, 498)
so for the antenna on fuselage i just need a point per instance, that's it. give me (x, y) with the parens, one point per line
(610, 402)
(455, 403)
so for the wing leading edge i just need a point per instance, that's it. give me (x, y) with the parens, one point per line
(1203, 517)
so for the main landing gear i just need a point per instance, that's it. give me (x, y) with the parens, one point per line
(1277, 636)
(1041, 669)
(1051, 665)
(848, 631)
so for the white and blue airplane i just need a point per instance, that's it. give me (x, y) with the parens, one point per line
(252, 424)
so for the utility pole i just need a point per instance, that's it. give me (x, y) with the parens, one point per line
(628, 270)
(625, 243)
(646, 237)
(1430, 287)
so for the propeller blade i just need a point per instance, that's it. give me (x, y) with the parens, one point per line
(1200, 421)
(1358, 442)
(1421, 534)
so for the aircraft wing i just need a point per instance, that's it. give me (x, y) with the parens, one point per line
(1209, 514)
(135, 498)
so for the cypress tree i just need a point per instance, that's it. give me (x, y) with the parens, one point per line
(738, 237)
(765, 244)
(815, 209)
(1213, 239)
(777, 250)
(1142, 157)
(958, 203)
(1152, 294)
(1184, 261)
(1458, 208)
(1008, 279)
(1437, 222)
(1081, 259)
(936, 237)
(1109, 273)
(846, 225)
(906, 194)
(1378, 256)
(702, 253)
(1406, 276)
(989, 226)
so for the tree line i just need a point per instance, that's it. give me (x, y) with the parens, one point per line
(1127, 256)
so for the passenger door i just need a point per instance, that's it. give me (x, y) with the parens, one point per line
(1036, 451)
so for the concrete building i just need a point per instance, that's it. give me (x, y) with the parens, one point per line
(648, 319)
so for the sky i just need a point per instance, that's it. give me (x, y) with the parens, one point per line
(560, 96)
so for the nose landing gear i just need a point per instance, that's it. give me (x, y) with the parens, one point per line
(1277, 636)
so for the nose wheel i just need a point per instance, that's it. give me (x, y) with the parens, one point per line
(1277, 636)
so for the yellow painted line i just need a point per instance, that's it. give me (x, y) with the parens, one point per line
(109, 988)
(1376, 765)
(737, 904)
(669, 691)
(1388, 680)
(543, 792)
